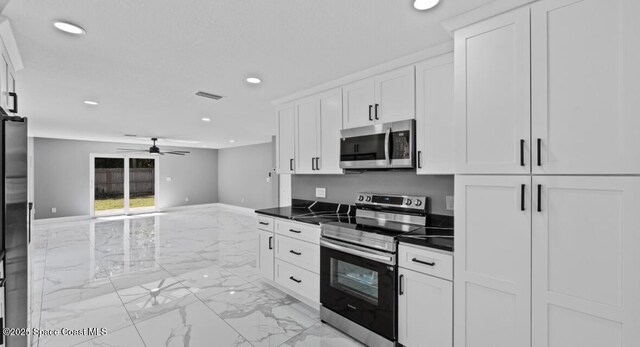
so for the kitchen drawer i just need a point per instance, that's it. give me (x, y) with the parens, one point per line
(298, 280)
(265, 223)
(304, 254)
(414, 258)
(300, 231)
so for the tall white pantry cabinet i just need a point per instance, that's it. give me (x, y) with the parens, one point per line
(547, 222)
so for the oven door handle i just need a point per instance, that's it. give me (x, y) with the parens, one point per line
(355, 250)
(387, 137)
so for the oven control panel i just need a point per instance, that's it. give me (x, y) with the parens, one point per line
(397, 201)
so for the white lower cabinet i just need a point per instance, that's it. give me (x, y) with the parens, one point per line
(492, 268)
(425, 310)
(266, 241)
(298, 280)
(290, 256)
(586, 261)
(558, 266)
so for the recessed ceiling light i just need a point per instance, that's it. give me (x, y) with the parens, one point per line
(253, 80)
(69, 28)
(232, 141)
(89, 102)
(424, 4)
(205, 119)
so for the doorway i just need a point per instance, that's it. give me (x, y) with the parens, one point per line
(123, 184)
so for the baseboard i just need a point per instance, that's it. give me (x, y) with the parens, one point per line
(187, 207)
(60, 219)
(240, 209)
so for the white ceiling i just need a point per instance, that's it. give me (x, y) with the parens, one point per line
(144, 60)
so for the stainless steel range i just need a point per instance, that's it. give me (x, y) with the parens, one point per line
(358, 269)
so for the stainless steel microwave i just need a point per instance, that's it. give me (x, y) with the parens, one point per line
(379, 146)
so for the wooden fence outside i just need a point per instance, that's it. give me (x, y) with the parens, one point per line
(109, 183)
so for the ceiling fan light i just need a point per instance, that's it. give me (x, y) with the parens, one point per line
(422, 5)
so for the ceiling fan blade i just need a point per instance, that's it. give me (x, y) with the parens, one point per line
(131, 149)
(179, 151)
(174, 153)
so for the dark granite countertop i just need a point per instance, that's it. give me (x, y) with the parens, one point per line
(438, 234)
(313, 212)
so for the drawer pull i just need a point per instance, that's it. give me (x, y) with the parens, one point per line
(422, 262)
(295, 231)
(263, 223)
(295, 279)
(294, 252)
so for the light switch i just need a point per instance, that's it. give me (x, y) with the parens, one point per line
(450, 205)
(168, 178)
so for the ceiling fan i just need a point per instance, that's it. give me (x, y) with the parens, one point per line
(153, 149)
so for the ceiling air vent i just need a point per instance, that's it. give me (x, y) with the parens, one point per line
(208, 95)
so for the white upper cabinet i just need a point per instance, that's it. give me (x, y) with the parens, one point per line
(394, 95)
(493, 95)
(586, 263)
(358, 99)
(585, 86)
(435, 140)
(286, 138)
(492, 268)
(306, 135)
(330, 118)
(318, 121)
(384, 98)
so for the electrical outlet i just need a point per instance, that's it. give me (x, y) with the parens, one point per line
(54, 210)
(186, 199)
(321, 192)
(450, 205)
(242, 200)
(168, 178)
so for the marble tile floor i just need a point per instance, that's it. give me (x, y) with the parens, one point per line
(183, 278)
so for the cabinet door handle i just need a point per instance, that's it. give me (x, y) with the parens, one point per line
(370, 107)
(270, 242)
(295, 231)
(522, 186)
(317, 163)
(376, 111)
(521, 152)
(539, 197)
(294, 252)
(295, 279)
(419, 161)
(291, 164)
(423, 262)
(401, 284)
(539, 145)
(313, 163)
(263, 223)
(15, 102)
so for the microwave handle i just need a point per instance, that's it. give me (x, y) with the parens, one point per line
(387, 138)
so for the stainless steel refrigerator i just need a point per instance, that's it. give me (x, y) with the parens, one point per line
(15, 225)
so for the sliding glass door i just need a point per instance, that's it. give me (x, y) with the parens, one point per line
(123, 184)
(142, 185)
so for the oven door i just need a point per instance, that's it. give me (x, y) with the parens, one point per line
(359, 284)
(388, 145)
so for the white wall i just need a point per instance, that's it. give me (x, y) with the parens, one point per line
(61, 170)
